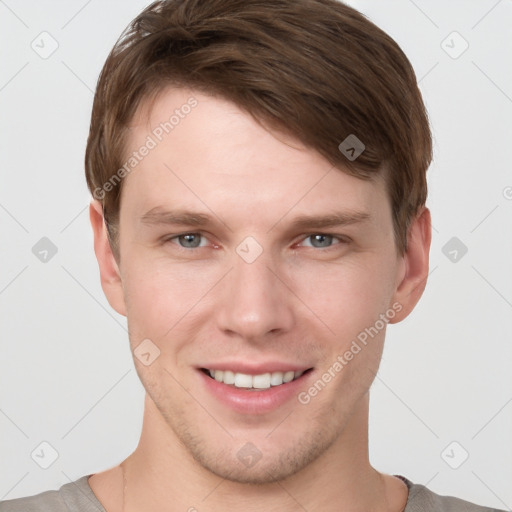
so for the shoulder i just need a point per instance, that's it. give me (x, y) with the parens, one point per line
(422, 499)
(74, 496)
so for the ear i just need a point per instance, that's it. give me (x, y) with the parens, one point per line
(110, 275)
(414, 266)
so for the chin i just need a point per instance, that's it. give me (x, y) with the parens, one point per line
(260, 462)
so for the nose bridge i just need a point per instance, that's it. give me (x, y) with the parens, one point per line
(254, 303)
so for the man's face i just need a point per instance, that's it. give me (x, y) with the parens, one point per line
(257, 287)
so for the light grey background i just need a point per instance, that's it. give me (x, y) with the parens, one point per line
(66, 372)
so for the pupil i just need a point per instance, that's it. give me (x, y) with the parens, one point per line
(322, 240)
(190, 240)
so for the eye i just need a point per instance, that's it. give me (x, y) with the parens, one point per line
(322, 240)
(188, 240)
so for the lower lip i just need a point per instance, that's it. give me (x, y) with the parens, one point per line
(254, 402)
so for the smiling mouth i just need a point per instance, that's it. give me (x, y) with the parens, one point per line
(254, 382)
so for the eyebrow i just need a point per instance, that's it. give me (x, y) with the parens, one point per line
(157, 216)
(330, 220)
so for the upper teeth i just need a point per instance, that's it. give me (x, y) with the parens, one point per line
(262, 381)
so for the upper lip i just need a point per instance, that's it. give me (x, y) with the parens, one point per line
(256, 369)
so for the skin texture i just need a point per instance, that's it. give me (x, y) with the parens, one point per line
(297, 303)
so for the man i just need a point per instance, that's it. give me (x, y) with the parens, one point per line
(258, 179)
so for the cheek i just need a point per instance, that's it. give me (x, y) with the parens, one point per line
(350, 296)
(349, 299)
(172, 301)
(162, 297)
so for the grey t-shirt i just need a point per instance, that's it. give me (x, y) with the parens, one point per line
(77, 496)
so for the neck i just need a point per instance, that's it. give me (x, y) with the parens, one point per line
(161, 475)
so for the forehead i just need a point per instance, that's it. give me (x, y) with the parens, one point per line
(205, 150)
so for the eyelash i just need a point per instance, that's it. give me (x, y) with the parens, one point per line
(341, 240)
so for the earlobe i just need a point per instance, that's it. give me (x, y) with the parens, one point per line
(110, 274)
(415, 265)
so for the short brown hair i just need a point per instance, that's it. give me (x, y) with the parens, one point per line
(316, 69)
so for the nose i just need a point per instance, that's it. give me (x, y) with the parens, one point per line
(256, 303)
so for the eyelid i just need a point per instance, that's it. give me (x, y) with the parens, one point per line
(172, 238)
(343, 239)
